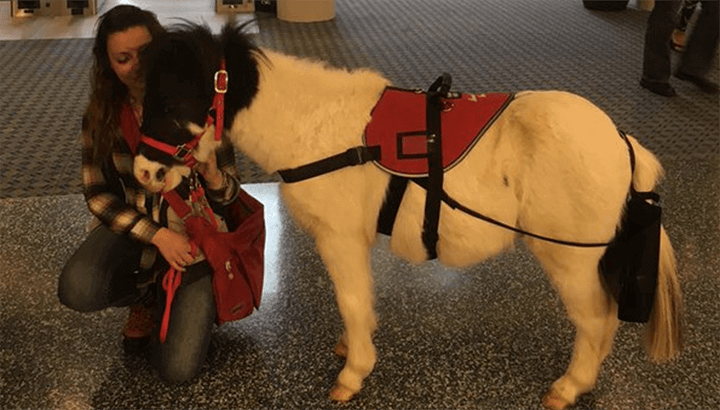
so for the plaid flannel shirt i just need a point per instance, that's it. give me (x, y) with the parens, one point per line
(114, 196)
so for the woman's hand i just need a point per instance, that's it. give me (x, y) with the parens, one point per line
(174, 247)
(211, 173)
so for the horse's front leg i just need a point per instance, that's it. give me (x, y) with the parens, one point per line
(347, 259)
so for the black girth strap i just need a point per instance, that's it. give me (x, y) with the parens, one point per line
(353, 156)
(391, 206)
(434, 95)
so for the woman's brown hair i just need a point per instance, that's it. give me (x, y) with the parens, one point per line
(108, 93)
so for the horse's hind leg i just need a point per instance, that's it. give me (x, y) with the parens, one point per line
(575, 274)
(347, 260)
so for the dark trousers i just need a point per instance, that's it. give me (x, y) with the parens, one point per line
(102, 273)
(699, 52)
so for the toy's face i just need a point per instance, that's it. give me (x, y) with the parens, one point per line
(155, 169)
(156, 177)
(159, 171)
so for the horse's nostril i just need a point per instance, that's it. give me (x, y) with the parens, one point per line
(160, 175)
(145, 176)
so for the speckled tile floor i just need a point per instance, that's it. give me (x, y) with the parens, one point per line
(488, 337)
(493, 336)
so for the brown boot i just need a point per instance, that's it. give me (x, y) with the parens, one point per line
(138, 329)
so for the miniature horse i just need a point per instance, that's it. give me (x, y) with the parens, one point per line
(552, 163)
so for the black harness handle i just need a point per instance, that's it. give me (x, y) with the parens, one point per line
(434, 95)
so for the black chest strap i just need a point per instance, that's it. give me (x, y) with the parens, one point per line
(353, 156)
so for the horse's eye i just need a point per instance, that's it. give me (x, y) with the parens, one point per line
(160, 174)
(170, 107)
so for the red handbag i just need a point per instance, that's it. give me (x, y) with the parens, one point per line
(236, 257)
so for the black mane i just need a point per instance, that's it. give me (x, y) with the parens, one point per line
(180, 67)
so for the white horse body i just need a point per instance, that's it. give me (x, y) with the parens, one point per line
(529, 169)
(552, 164)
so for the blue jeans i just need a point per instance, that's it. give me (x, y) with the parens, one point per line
(102, 273)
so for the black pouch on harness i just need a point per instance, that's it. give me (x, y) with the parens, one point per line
(630, 264)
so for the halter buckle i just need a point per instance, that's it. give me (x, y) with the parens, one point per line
(221, 81)
(181, 152)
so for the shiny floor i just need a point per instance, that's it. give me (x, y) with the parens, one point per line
(492, 336)
(29, 27)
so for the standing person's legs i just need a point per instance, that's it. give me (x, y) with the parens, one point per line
(697, 59)
(686, 12)
(656, 52)
(684, 15)
(101, 272)
(192, 315)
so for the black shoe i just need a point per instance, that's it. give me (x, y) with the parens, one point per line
(703, 84)
(135, 346)
(664, 89)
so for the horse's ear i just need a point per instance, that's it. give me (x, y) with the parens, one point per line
(241, 56)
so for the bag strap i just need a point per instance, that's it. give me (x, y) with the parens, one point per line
(631, 151)
(648, 195)
(129, 127)
(177, 204)
(182, 209)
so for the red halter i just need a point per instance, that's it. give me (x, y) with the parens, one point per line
(183, 152)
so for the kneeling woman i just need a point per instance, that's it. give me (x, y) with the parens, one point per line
(118, 264)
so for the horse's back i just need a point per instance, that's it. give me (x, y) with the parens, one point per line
(574, 167)
(552, 164)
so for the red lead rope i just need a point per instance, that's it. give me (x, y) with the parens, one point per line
(171, 283)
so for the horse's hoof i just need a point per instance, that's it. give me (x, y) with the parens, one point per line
(554, 401)
(341, 349)
(341, 394)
